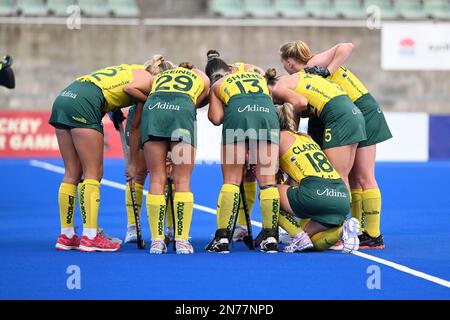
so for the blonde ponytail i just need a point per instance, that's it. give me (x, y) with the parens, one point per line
(288, 119)
(158, 64)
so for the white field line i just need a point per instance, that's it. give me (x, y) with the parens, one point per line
(399, 267)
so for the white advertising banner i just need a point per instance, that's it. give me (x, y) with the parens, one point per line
(415, 46)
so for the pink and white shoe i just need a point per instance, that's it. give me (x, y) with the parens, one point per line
(65, 243)
(99, 243)
(338, 246)
(158, 246)
(183, 246)
(300, 243)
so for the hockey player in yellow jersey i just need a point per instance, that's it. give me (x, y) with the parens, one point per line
(366, 196)
(77, 117)
(314, 192)
(328, 102)
(240, 100)
(168, 125)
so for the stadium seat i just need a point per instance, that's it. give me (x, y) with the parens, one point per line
(7, 8)
(410, 9)
(260, 8)
(349, 8)
(32, 7)
(438, 9)
(289, 8)
(387, 10)
(124, 8)
(94, 8)
(320, 8)
(59, 7)
(228, 8)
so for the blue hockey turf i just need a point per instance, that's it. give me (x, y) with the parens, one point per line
(415, 224)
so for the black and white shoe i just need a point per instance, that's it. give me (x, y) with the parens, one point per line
(267, 241)
(220, 242)
(368, 242)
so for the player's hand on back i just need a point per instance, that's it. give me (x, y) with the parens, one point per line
(318, 70)
(116, 117)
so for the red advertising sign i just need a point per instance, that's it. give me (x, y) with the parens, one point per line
(27, 134)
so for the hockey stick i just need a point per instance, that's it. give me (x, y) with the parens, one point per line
(248, 239)
(170, 198)
(140, 241)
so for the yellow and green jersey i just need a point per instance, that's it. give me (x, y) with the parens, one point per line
(349, 82)
(305, 158)
(112, 81)
(180, 80)
(317, 90)
(242, 82)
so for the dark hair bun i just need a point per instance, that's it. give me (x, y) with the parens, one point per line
(186, 65)
(212, 54)
(270, 74)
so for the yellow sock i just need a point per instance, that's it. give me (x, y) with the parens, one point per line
(89, 199)
(227, 206)
(356, 205)
(250, 195)
(270, 207)
(156, 210)
(371, 203)
(169, 215)
(289, 223)
(139, 189)
(184, 206)
(67, 201)
(325, 239)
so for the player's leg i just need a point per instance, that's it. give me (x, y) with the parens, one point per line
(364, 172)
(89, 145)
(183, 157)
(324, 216)
(67, 193)
(356, 196)
(266, 168)
(139, 181)
(233, 159)
(155, 158)
(300, 241)
(342, 159)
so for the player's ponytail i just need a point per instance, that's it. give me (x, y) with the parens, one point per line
(271, 76)
(158, 64)
(288, 120)
(297, 50)
(216, 68)
(211, 54)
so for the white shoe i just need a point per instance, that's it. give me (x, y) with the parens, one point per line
(183, 246)
(108, 237)
(284, 237)
(131, 236)
(299, 243)
(350, 238)
(239, 233)
(158, 246)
